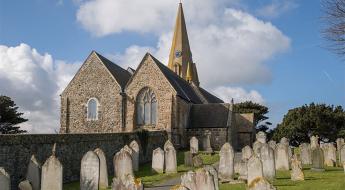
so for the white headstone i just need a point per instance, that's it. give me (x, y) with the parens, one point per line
(261, 137)
(247, 152)
(256, 147)
(51, 174)
(103, 171)
(24, 185)
(272, 144)
(260, 183)
(214, 173)
(342, 155)
(5, 181)
(34, 173)
(158, 160)
(188, 180)
(296, 170)
(123, 164)
(194, 145)
(135, 155)
(330, 155)
(305, 153)
(282, 157)
(89, 171)
(317, 159)
(170, 160)
(314, 142)
(254, 170)
(226, 163)
(268, 162)
(207, 142)
(127, 182)
(204, 180)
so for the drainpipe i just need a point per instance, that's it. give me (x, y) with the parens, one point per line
(123, 110)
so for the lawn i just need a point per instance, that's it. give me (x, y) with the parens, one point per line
(150, 178)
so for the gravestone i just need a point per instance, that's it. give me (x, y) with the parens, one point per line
(127, 182)
(129, 150)
(268, 162)
(305, 151)
(296, 169)
(282, 157)
(260, 183)
(256, 147)
(242, 171)
(330, 155)
(188, 180)
(272, 144)
(247, 152)
(342, 155)
(254, 169)
(188, 158)
(135, 155)
(317, 159)
(103, 171)
(314, 142)
(25, 185)
(52, 173)
(284, 141)
(89, 171)
(214, 173)
(261, 137)
(123, 164)
(170, 160)
(167, 144)
(194, 145)
(340, 143)
(5, 181)
(158, 160)
(226, 163)
(197, 161)
(33, 174)
(207, 142)
(204, 180)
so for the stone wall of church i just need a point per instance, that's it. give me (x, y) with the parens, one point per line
(149, 75)
(180, 121)
(16, 150)
(92, 80)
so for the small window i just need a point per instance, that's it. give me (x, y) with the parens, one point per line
(92, 109)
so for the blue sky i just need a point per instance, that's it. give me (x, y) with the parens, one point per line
(280, 61)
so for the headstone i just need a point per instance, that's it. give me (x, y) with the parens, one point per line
(158, 160)
(314, 142)
(25, 185)
(197, 161)
(261, 137)
(260, 183)
(242, 171)
(272, 144)
(344, 166)
(188, 159)
(129, 150)
(284, 141)
(167, 144)
(52, 173)
(317, 159)
(188, 180)
(5, 181)
(135, 155)
(342, 155)
(256, 147)
(296, 169)
(268, 162)
(214, 173)
(194, 145)
(170, 160)
(226, 163)
(340, 143)
(330, 155)
(254, 170)
(127, 182)
(89, 171)
(207, 142)
(282, 157)
(123, 164)
(103, 171)
(305, 151)
(247, 152)
(204, 180)
(33, 174)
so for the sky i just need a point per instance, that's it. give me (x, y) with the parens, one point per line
(267, 51)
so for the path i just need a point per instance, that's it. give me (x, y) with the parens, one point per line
(166, 185)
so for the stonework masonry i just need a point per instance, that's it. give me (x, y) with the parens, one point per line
(16, 150)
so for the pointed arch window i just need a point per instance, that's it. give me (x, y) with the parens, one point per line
(92, 109)
(146, 107)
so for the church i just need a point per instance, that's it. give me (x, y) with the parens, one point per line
(106, 98)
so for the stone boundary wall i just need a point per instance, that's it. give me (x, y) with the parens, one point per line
(218, 137)
(16, 150)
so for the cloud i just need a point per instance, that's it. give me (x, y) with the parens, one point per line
(276, 8)
(238, 94)
(34, 81)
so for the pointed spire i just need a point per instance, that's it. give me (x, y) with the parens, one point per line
(180, 53)
(189, 75)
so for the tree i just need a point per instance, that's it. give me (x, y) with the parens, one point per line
(10, 117)
(334, 20)
(328, 122)
(259, 111)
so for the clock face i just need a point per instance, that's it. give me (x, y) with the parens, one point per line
(178, 53)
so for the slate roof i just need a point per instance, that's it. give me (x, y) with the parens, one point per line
(209, 115)
(121, 75)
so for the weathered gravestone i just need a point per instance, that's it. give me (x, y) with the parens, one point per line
(123, 164)
(129, 150)
(330, 155)
(103, 171)
(127, 182)
(260, 183)
(207, 142)
(24, 185)
(135, 154)
(204, 180)
(342, 155)
(305, 151)
(261, 137)
(167, 144)
(256, 147)
(272, 144)
(5, 181)
(158, 160)
(52, 173)
(89, 171)
(214, 174)
(340, 143)
(188, 180)
(314, 142)
(194, 145)
(285, 141)
(188, 158)
(170, 160)
(254, 170)
(268, 162)
(242, 171)
(282, 157)
(247, 152)
(317, 159)
(197, 161)
(226, 163)
(33, 174)
(296, 169)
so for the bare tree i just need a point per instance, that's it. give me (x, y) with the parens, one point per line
(334, 20)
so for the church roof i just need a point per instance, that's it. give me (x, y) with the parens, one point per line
(121, 75)
(209, 116)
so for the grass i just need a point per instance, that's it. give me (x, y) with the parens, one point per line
(150, 178)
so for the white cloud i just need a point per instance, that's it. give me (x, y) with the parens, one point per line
(34, 81)
(276, 8)
(238, 94)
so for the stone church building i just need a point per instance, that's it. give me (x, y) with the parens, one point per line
(105, 98)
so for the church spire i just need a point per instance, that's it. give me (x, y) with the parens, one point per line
(180, 54)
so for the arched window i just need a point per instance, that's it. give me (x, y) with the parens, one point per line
(92, 109)
(146, 107)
